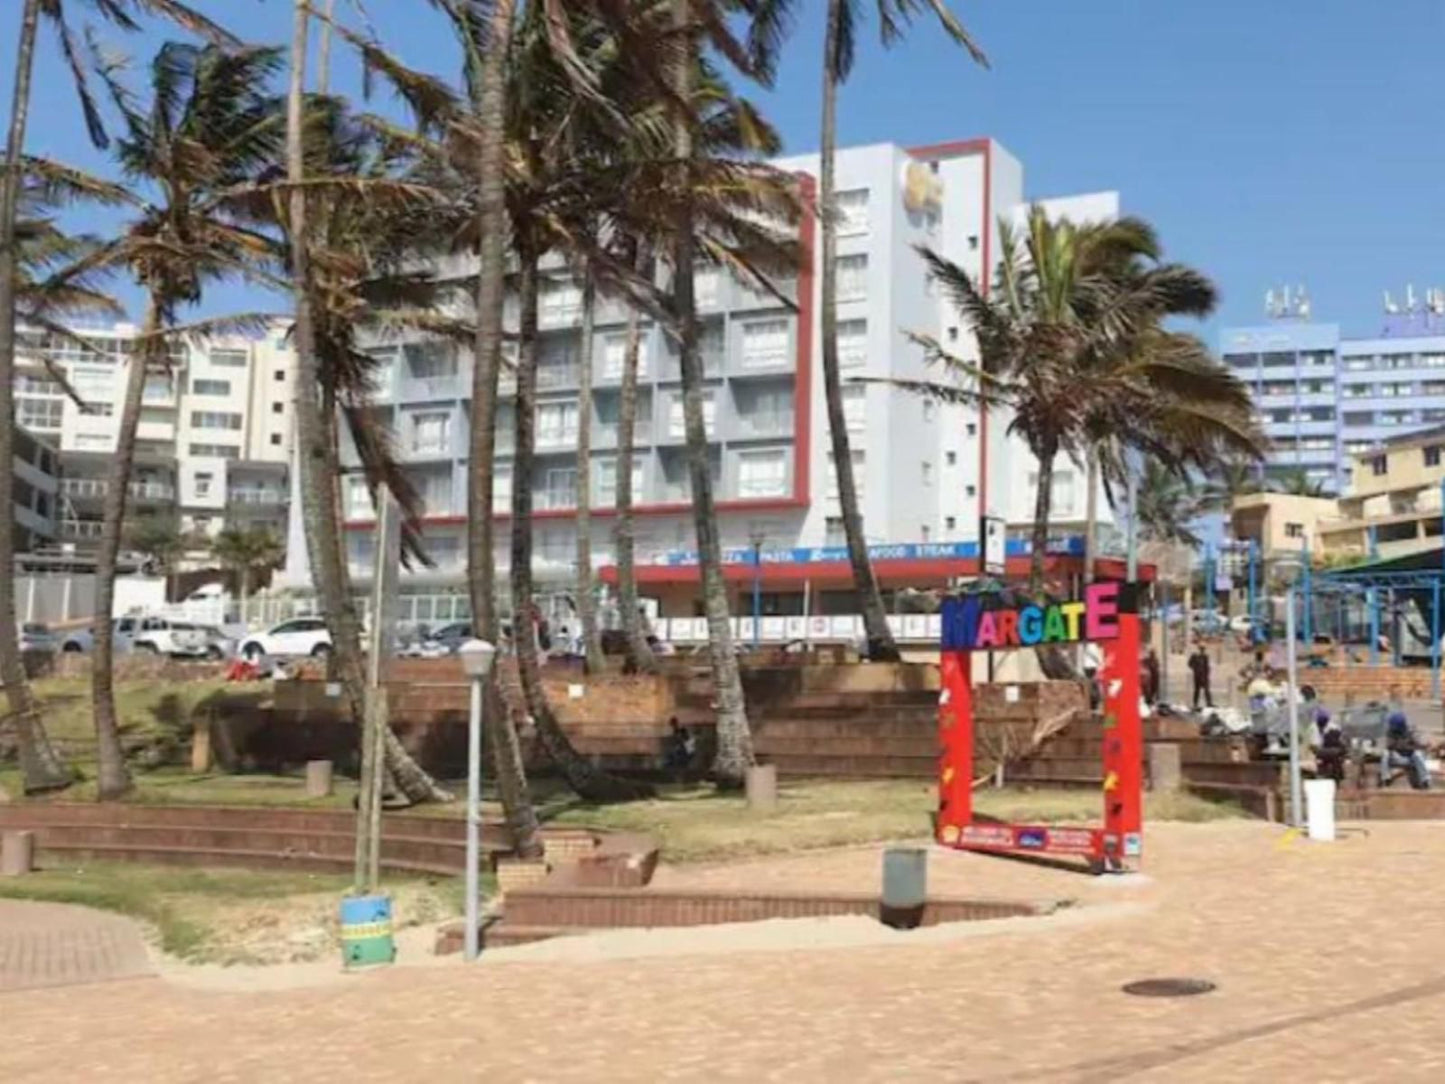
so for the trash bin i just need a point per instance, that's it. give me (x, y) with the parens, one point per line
(366, 932)
(905, 887)
(1320, 809)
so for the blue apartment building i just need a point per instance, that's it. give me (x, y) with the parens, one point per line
(1323, 397)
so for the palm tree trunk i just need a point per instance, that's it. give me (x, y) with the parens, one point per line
(586, 603)
(491, 104)
(113, 777)
(734, 739)
(318, 483)
(41, 767)
(1043, 501)
(582, 776)
(881, 645)
(639, 656)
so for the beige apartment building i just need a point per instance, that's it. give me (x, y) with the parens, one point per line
(1281, 522)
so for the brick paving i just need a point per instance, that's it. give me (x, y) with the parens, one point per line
(55, 944)
(1327, 959)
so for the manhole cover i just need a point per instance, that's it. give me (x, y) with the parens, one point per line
(1168, 987)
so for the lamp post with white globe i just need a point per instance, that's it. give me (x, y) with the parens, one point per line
(477, 658)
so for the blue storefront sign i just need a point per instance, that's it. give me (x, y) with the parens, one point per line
(902, 551)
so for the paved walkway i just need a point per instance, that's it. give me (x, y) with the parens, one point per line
(54, 944)
(1328, 962)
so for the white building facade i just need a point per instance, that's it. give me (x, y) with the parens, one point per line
(925, 472)
(213, 442)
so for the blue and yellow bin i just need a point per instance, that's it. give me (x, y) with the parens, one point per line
(366, 932)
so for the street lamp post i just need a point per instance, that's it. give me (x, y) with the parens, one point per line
(477, 659)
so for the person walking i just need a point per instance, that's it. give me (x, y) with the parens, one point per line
(1151, 678)
(1199, 670)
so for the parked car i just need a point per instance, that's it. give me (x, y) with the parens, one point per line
(178, 639)
(82, 640)
(448, 638)
(290, 639)
(219, 646)
(37, 639)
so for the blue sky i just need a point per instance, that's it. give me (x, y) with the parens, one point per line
(1287, 141)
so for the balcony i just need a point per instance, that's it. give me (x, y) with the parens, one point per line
(81, 530)
(556, 376)
(97, 488)
(753, 426)
(430, 387)
(551, 499)
(256, 495)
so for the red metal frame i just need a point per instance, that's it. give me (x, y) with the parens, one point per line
(1115, 846)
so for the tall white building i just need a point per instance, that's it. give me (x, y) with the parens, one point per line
(214, 438)
(924, 472)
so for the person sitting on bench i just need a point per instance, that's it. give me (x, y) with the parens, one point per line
(1403, 749)
(678, 749)
(1332, 750)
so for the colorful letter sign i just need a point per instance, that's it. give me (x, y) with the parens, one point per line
(1107, 613)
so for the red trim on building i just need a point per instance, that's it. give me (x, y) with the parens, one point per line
(909, 571)
(955, 148)
(803, 379)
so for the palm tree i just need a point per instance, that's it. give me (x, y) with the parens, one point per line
(838, 51)
(43, 771)
(1167, 505)
(244, 550)
(639, 656)
(586, 600)
(209, 130)
(1297, 483)
(158, 539)
(1070, 340)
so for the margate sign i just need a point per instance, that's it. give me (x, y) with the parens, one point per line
(987, 622)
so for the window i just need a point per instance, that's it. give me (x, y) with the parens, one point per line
(358, 498)
(1432, 361)
(614, 350)
(280, 375)
(1359, 365)
(214, 419)
(278, 408)
(1294, 530)
(970, 491)
(675, 423)
(1278, 360)
(502, 487)
(852, 207)
(762, 473)
(924, 532)
(859, 476)
(557, 424)
(1359, 417)
(229, 359)
(431, 361)
(1061, 500)
(1241, 361)
(1432, 455)
(204, 480)
(950, 459)
(852, 277)
(93, 385)
(1356, 391)
(210, 387)
(276, 439)
(158, 387)
(855, 408)
(607, 481)
(25, 384)
(560, 301)
(765, 343)
(764, 410)
(559, 488)
(95, 442)
(435, 491)
(1396, 361)
(1379, 464)
(833, 532)
(39, 413)
(852, 344)
(949, 523)
(926, 470)
(971, 429)
(929, 409)
(215, 451)
(431, 432)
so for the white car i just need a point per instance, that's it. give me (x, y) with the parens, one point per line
(291, 639)
(162, 636)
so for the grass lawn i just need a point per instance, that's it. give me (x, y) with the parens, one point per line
(695, 824)
(230, 916)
